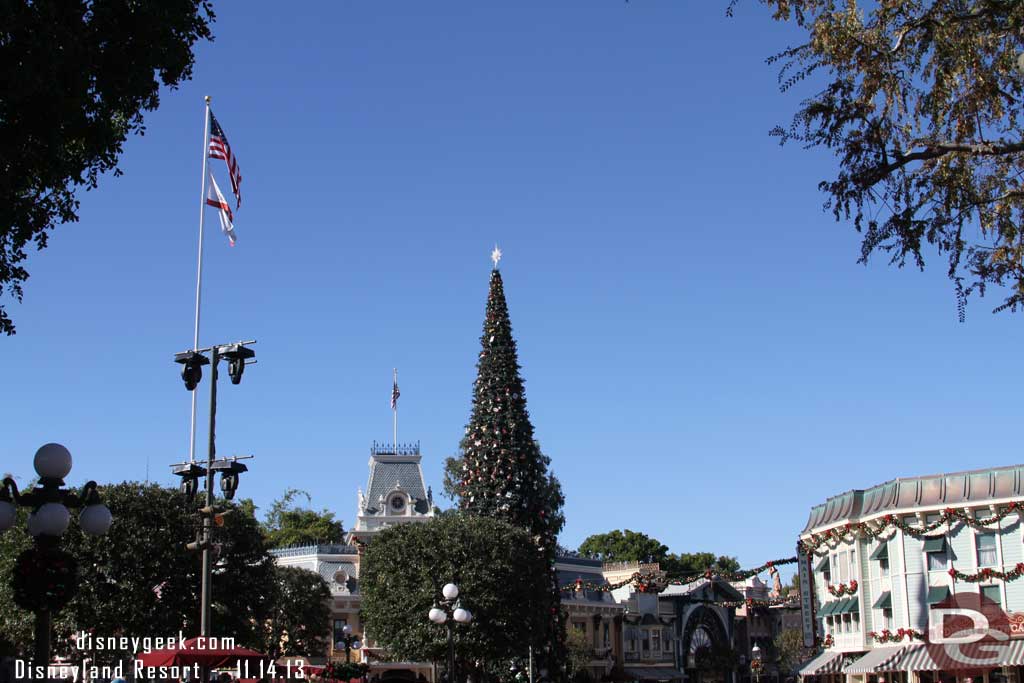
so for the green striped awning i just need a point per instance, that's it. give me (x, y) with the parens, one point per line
(884, 601)
(935, 545)
(852, 605)
(881, 552)
(823, 565)
(937, 594)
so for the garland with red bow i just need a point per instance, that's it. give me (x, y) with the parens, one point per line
(843, 589)
(651, 583)
(887, 636)
(988, 573)
(950, 516)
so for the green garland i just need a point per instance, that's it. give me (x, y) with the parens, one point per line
(949, 516)
(651, 583)
(843, 589)
(887, 636)
(988, 573)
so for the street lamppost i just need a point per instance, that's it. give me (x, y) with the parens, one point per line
(45, 577)
(447, 611)
(238, 356)
(755, 663)
(349, 641)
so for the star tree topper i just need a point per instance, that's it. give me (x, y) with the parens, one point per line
(496, 255)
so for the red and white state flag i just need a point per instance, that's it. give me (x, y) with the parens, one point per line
(215, 199)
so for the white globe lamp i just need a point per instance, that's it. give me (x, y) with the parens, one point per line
(450, 591)
(463, 616)
(356, 644)
(52, 461)
(95, 519)
(7, 515)
(52, 519)
(437, 615)
(346, 629)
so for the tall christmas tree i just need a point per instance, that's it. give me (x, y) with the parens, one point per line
(502, 472)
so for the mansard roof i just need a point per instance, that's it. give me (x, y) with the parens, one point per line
(972, 487)
(391, 467)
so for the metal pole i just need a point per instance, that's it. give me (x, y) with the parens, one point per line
(531, 663)
(42, 652)
(199, 268)
(451, 653)
(204, 624)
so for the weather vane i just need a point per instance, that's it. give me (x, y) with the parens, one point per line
(496, 255)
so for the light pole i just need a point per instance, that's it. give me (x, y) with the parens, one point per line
(238, 355)
(755, 663)
(349, 642)
(46, 577)
(447, 611)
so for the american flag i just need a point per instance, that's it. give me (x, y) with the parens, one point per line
(395, 393)
(220, 149)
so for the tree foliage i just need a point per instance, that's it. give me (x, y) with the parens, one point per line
(140, 578)
(299, 623)
(634, 546)
(496, 567)
(288, 525)
(624, 546)
(921, 103)
(106, 61)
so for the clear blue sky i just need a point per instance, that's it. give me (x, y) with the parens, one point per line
(704, 358)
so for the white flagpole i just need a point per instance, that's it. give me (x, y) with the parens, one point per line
(395, 384)
(199, 269)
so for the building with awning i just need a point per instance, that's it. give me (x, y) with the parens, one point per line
(889, 561)
(826, 665)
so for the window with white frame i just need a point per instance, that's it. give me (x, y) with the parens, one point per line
(993, 593)
(887, 619)
(842, 559)
(986, 548)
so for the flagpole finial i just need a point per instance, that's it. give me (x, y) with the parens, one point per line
(496, 255)
(207, 98)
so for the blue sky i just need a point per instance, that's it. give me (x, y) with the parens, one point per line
(704, 358)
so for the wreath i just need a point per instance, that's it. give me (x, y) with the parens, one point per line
(44, 579)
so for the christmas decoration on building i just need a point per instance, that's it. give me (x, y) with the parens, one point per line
(887, 636)
(843, 589)
(952, 518)
(987, 574)
(651, 583)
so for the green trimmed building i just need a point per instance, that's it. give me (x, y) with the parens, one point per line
(889, 561)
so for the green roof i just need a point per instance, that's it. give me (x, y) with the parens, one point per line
(937, 594)
(935, 545)
(881, 552)
(884, 601)
(852, 605)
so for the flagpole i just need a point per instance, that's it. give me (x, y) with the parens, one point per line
(199, 269)
(395, 410)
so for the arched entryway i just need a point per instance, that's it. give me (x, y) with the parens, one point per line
(705, 648)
